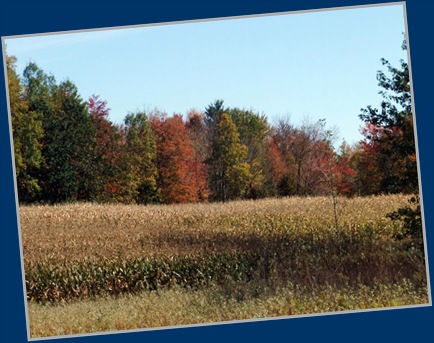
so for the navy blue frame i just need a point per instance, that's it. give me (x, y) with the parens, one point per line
(398, 325)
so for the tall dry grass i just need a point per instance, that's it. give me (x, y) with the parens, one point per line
(90, 231)
(87, 250)
(184, 307)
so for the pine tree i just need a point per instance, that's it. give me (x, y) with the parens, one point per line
(69, 153)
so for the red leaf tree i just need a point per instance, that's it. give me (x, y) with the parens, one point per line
(107, 147)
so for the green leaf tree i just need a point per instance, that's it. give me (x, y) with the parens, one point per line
(229, 174)
(27, 137)
(138, 175)
(389, 131)
(253, 129)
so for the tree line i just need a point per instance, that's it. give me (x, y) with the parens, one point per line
(66, 149)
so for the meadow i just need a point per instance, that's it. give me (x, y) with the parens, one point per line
(93, 268)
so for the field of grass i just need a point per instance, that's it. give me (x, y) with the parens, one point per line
(94, 264)
(183, 307)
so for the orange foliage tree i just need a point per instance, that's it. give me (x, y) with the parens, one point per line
(178, 178)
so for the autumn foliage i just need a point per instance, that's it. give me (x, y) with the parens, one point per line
(68, 150)
(180, 175)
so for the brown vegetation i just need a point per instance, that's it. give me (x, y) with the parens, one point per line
(90, 231)
(84, 250)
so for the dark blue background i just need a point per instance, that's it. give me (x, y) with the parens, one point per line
(401, 325)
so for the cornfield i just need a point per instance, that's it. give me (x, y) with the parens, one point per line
(81, 251)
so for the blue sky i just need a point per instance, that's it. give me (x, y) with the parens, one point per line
(315, 65)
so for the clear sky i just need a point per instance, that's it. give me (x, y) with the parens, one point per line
(315, 65)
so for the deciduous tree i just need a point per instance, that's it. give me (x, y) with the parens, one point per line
(27, 137)
(106, 149)
(389, 131)
(138, 176)
(253, 129)
(198, 133)
(229, 174)
(177, 180)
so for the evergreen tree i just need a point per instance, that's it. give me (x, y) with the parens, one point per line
(69, 141)
(213, 113)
